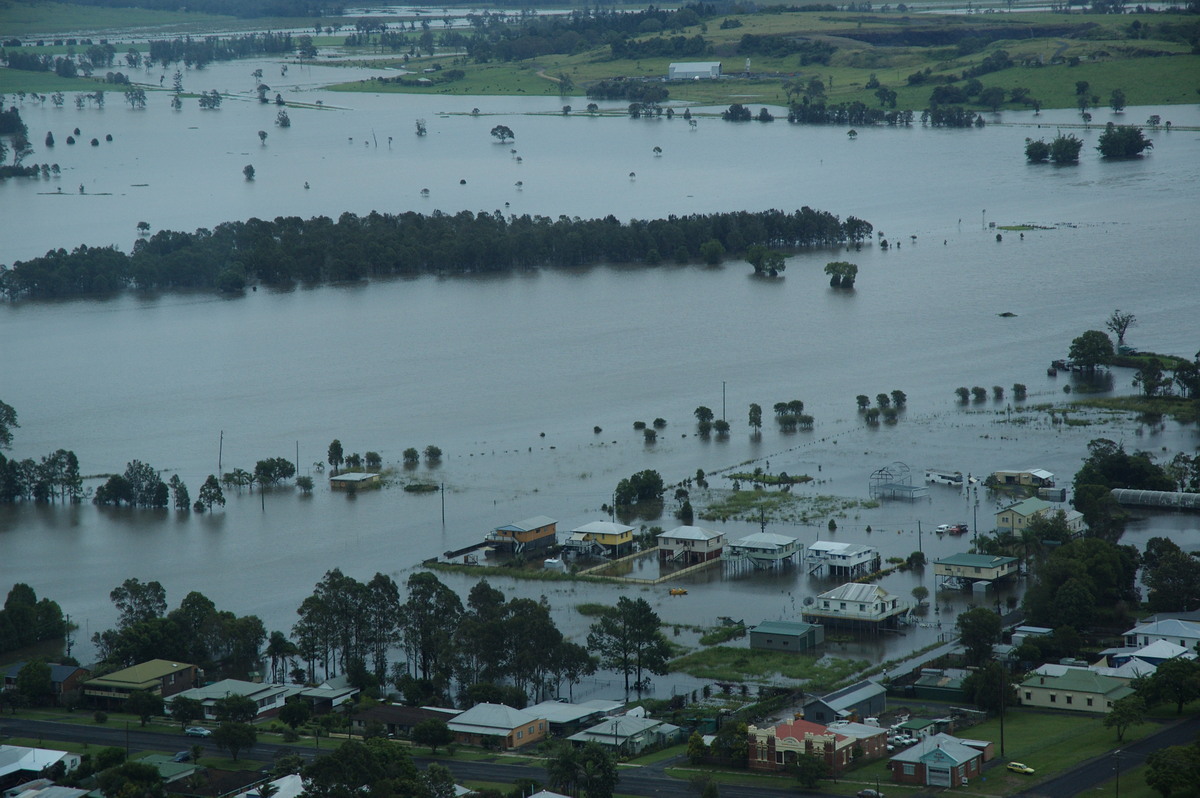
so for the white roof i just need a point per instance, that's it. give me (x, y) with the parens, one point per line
(613, 730)
(854, 591)
(355, 476)
(536, 522)
(15, 758)
(228, 687)
(766, 540)
(834, 547)
(691, 533)
(1171, 627)
(1041, 473)
(1163, 649)
(289, 786)
(603, 528)
(562, 712)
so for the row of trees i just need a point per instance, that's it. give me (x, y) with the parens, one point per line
(484, 647)
(353, 247)
(1117, 141)
(195, 632)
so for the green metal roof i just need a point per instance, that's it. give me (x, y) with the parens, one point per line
(784, 628)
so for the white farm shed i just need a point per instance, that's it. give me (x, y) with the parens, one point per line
(694, 70)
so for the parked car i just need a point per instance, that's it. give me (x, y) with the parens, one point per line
(943, 528)
(1019, 767)
(868, 794)
(197, 731)
(182, 756)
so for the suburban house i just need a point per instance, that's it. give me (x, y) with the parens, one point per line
(1030, 477)
(842, 560)
(1173, 630)
(528, 535)
(355, 480)
(602, 537)
(1151, 655)
(510, 728)
(1017, 517)
(694, 70)
(865, 699)
(856, 605)
(67, 680)
(267, 697)
(786, 636)
(159, 676)
(19, 764)
(396, 719)
(629, 733)
(963, 570)
(689, 545)
(938, 761)
(566, 718)
(1074, 689)
(764, 549)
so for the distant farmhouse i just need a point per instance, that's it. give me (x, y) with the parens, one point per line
(694, 70)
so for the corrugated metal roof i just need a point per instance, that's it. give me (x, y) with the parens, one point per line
(854, 591)
(691, 533)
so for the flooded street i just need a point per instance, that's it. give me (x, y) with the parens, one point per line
(509, 374)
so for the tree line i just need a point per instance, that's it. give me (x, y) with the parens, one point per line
(201, 51)
(319, 250)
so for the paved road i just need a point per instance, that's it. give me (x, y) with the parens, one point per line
(650, 781)
(1089, 775)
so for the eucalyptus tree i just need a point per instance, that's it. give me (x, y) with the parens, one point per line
(429, 619)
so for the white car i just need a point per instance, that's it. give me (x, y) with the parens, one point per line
(197, 731)
(944, 528)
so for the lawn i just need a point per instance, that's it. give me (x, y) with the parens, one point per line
(729, 664)
(1050, 743)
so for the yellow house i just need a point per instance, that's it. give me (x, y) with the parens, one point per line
(532, 533)
(1018, 516)
(614, 540)
(1073, 689)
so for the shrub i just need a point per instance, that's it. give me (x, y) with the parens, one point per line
(100, 717)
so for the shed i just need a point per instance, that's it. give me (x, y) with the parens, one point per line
(354, 480)
(786, 636)
(694, 70)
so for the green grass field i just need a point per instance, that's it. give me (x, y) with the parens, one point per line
(23, 19)
(729, 664)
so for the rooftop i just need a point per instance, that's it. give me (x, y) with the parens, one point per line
(140, 674)
(952, 747)
(603, 528)
(976, 560)
(492, 716)
(692, 533)
(855, 591)
(784, 628)
(1028, 507)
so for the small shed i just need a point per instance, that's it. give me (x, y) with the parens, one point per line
(355, 480)
(787, 636)
(694, 70)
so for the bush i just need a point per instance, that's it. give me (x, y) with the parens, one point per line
(100, 717)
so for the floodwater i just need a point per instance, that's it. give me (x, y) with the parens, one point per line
(509, 374)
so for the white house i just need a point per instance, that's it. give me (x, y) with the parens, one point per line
(855, 604)
(1172, 630)
(690, 544)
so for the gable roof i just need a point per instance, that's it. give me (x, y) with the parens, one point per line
(844, 549)
(938, 746)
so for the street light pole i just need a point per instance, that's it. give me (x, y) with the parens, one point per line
(1117, 756)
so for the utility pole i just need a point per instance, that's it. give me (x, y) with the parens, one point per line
(722, 400)
(220, 452)
(919, 536)
(443, 492)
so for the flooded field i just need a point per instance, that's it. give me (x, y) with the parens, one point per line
(510, 374)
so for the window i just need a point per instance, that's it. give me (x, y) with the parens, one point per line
(1028, 696)
(1069, 699)
(1053, 698)
(520, 735)
(531, 730)
(1089, 702)
(779, 757)
(910, 769)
